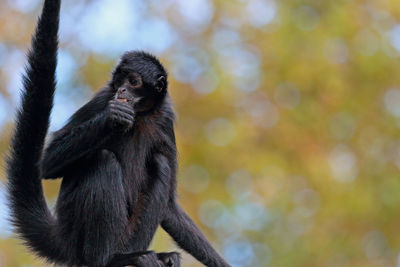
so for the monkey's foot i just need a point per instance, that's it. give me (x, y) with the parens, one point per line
(146, 259)
(172, 259)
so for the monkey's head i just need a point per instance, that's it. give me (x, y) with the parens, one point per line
(140, 80)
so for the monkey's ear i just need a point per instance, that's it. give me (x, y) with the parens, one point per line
(161, 84)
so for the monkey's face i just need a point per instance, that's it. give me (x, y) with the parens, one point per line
(141, 93)
(139, 82)
(129, 87)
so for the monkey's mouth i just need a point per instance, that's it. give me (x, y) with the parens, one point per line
(122, 100)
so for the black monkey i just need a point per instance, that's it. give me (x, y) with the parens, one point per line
(117, 157)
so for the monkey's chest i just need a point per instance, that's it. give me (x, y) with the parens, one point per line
(133, 156)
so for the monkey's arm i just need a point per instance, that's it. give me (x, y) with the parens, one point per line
(183, 230)
(69, 145)
(82, 136)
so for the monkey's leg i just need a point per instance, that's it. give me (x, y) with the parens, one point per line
(157, 195)
(104, 214)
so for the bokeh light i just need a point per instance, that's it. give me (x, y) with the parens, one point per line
(343, 164)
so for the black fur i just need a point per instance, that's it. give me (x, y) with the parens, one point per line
(117, 157)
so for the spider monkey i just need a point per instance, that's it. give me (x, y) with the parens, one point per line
(117, 158)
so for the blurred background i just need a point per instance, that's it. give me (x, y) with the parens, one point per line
(288, 117)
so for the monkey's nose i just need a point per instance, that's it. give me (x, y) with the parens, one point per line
(122, 90)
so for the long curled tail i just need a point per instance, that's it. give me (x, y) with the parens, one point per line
(29, 212)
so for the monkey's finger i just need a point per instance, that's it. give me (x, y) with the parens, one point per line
(127, 112)
(123, 122)
(117, 116)
(122, 109)
(122, 118)
(120, 104)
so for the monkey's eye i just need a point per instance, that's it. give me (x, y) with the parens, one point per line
(135, 80)
(160, 85)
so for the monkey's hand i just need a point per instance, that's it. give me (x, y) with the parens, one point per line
(148, 260)
(120, 115)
